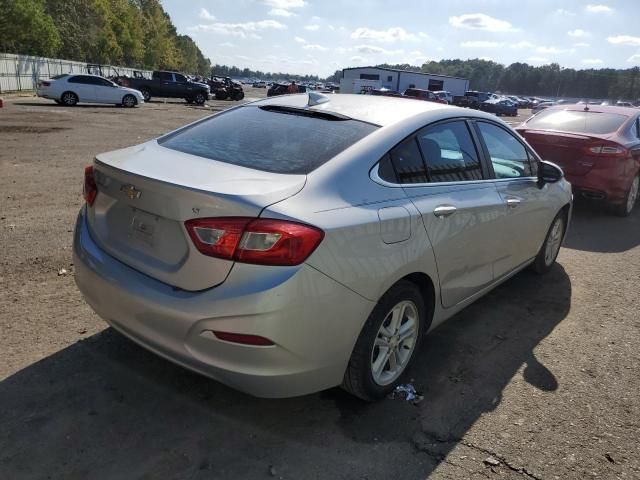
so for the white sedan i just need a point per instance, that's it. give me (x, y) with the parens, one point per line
(69, 89)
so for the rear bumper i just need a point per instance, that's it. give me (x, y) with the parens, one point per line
(313, 321)
(599, 184)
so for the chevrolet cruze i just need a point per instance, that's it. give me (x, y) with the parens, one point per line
(302, 242)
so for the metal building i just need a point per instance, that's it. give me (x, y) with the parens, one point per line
(355, 79)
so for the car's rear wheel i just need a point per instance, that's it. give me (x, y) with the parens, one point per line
(551, 247)
(387, 344)
(199, 98)
(69, 99)
(146, 94)
(626, 207)
(129, 101)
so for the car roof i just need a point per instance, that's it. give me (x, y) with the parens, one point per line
(379, 110)
(627, 111)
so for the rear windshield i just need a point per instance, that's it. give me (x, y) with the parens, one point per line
(577, 121)
(280, 142)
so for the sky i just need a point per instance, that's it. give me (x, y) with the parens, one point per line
(321, 36)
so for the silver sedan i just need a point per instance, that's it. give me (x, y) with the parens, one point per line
(301, 242)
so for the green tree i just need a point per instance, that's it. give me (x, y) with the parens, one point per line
(26, 28)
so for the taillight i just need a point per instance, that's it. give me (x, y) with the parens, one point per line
(45, 84)
(260, 241)
(90, 189)
(613, 150)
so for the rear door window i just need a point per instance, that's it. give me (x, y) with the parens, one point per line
(509, 157)
(83, 79)
(577, 121)
(294, 142)
(449, 152)
(407, 163)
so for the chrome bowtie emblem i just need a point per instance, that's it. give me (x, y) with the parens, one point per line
(131, 191)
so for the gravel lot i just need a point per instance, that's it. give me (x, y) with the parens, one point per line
(538, 380)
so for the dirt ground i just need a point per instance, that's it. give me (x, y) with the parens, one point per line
(538, 380)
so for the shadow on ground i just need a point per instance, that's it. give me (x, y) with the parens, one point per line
(594, 229)
(106, 408)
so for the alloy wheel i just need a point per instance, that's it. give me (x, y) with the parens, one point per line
(554, 241)
(633, 194)
(394, 343)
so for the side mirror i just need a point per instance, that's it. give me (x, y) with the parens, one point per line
(549, 172)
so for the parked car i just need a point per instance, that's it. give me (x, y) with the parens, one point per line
(538, 107)
(224, 88)
(500, 107)
(444, 95)
(320, 251)
(620, 103)
(170, 85)
(420, 94)
(260, 84)
(283, 89)
(471, 99)
(597, 147)
(70, 89)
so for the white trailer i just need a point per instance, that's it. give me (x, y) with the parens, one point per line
(400, 80)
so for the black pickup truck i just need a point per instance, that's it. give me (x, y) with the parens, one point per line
(169, 85)
(471, 99)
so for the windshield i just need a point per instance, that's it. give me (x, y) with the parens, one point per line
(272, 141)
(577, 121)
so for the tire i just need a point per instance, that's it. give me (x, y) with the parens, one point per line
(129, 101)
(146, 94)
(551, 247)
(379, 336)
(630, 199)
(238, 96)
(69, 99)
(220, 95)
(200, 98)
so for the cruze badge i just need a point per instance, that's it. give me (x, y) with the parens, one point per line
(131, 191)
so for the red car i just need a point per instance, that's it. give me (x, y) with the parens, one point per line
(598, 147)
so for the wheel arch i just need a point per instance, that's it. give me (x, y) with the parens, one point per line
(427, 289)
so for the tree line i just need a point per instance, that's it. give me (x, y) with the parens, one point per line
(236, 72)
(132, 33)
(524, 79)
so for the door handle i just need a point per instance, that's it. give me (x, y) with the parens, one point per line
(444, 210)
(513, 202)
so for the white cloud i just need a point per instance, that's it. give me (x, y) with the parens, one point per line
(481, 44)
(581, 45)
(390, 35)
(299, 39)
(563, 12)
(227, 44)
(331, 27)
(538, 59)
(205, 15)
(523, 44)
(342, 50)
(358, 59)
(242, 57)
(553, 50)
(316, 18)
(634, 58)
(373, 50)
(598, 8)
(318, 48)
(281, 12)
(242, 30)
(625, 40)
(592, 61)
(423, 35)
(578, 33)
(285, 4)
(480, 21)
(312, 28)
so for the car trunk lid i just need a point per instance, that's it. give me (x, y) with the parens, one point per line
(572, 152)
(146, 193)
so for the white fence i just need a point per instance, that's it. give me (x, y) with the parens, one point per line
(22, 72)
